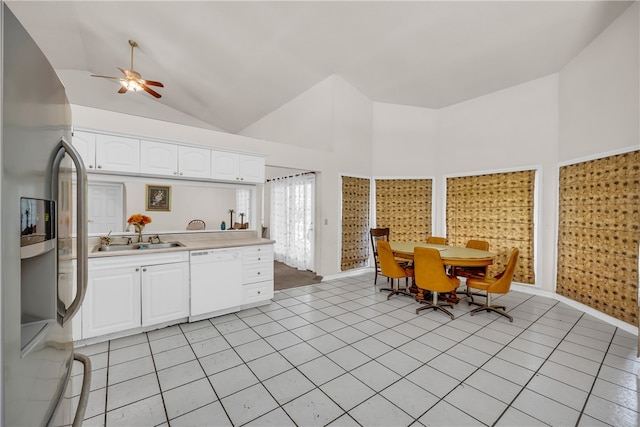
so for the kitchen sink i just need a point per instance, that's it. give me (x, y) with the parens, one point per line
(138, 247)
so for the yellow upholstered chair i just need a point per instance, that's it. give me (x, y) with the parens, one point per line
(377, 234)
(499, 284)
(432, 240)
(430, 276)
(468, 272)
(390, 268)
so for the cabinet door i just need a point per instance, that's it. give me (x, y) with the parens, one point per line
(158, 158)
(117, 154)
(224, 166)
(165, 293)
(112, 302)
(194, 162)
(252, 169)
(85, 143)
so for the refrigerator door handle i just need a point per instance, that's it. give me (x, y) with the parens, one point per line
(82, 230)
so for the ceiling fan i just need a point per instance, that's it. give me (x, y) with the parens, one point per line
(132, 79)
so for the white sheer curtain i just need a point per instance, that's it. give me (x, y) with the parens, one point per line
(291, 220)
(243, 205)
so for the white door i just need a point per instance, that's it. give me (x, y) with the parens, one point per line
(112, 302)
(106, 207)
(165, 293)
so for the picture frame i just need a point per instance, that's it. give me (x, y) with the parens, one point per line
(159, 198)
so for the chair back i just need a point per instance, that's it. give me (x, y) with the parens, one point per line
(196, 224)
(388, 264)
(502, 282)
(378, 234)
(436, 240)
(482, 245)
(429, 271)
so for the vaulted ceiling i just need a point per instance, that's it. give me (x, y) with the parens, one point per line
(226, 64)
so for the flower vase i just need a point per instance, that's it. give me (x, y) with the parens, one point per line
(139, 228)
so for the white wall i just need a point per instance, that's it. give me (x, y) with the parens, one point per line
(347, 153)
(599, 92)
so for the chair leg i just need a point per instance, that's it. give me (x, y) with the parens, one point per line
(488, 307)
(396, 290)
(375, 278)
(435, 305)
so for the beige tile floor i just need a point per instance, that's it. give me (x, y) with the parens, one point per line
(338, 353)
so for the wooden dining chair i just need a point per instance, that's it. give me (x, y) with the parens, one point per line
(500, 284)
(432, 240)
(196, 224)
(377, 234)
(430, 276)
(390, 268)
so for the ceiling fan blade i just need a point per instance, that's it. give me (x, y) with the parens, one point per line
(151, 91)
(122, 90)
(152, 83)
(106, 77)
(122, 71)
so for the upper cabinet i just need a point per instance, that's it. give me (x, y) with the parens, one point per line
(226, 166)
(160, 158)
(108, 153)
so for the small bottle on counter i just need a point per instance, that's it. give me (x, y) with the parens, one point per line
(223, 226)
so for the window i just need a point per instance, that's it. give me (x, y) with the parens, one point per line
(355, 222)
(497, 208)
(404, 205)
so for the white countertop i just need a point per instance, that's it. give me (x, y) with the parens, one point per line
(191, 242)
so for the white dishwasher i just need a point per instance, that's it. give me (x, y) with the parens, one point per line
(216, 280)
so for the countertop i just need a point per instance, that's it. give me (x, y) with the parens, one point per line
(191, 242)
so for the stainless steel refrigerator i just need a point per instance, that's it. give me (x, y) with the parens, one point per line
(43, 267)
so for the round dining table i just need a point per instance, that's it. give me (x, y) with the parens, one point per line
(452, 256)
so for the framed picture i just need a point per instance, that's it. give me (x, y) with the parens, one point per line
(159, 198)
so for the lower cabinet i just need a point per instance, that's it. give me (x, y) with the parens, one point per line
(112, 302)
(128, 292)
(162, 300)
(257, 274)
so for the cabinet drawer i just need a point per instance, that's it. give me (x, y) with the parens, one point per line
(257, 272)
(257, 254)
(257, 292)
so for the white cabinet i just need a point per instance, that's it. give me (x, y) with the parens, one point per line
(108, 153)
(216, 281)
(257, 274)
(159, 158)
(252, 168)
(227, 166)
(127, 292)
(162, 298)
(117, 153)
(194, 162)
(85, 143)
(112, 302)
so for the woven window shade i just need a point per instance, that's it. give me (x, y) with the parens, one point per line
(404, 205)
(497, 208)
(355, 222)
(598, 234)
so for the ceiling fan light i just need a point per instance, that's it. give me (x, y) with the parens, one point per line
(131, 85)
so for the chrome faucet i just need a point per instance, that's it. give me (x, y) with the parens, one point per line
(157, 237)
